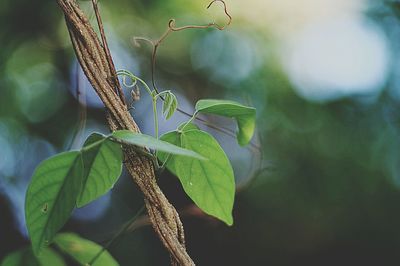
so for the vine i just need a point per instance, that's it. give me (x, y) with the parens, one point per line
(75, 178)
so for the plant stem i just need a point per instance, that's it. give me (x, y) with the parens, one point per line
(94, 144)
(154, 100)
(189, 121)
(123, 229)
(133, 77)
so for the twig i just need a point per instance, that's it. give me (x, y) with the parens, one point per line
(96, 66)
(114, 76)
(171, 28)
(120, 232)
(156, 44)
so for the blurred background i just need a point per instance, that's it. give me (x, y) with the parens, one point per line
(323, 186)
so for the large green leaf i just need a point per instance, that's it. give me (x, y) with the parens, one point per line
(245, 116)
(83, 250)
(209, 183)
(143, 140)
(102, 160)
(25, 257)
(51, 196)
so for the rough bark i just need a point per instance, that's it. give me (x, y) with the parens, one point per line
(97, 65)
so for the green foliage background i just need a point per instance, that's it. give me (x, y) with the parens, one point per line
(329, 195)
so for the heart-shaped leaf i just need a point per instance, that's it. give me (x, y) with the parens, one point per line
(51, 197)
(143, 140)
(245, 116)
(209, 183)
(102, 159)
(83, 250)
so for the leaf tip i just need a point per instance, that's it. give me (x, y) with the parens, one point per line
(230, 222)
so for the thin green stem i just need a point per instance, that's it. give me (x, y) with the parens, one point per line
(189, 121)
(153, 94)
(162, 167)
(123, 229)
(154, 101)
(162, 93)
(94, 144)
(124, 72)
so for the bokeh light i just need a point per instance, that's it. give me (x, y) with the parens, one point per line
(35, 81)
(338, 58)
(323, 75)
(217, 54)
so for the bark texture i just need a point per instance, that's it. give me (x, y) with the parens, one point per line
(96, 62)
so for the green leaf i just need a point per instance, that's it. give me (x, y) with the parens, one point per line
(172, 137)
(210, 184)
(170, 104)
(245, 116)
(187, 127)
(142, 140)
(102, 161)
(51, 197)
(25, 257)
(83, 250)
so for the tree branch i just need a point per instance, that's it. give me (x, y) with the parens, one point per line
(95, 62)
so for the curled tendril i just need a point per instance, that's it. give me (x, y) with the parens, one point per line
(155, 45)
(135, 41)
(172, 23)
(172, 28)
(125, 73)
(126, 84)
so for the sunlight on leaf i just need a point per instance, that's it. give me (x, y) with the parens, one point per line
(245, 116)
(210, 184)
(143, 140)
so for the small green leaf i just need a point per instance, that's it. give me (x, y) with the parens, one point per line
(83, 250)
(210, 184)
(102, 161)
(245, 116)
(51, 197)
(25, 257)
(170, 104)
(143, 140)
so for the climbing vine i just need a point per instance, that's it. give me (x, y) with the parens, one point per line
(76, 178)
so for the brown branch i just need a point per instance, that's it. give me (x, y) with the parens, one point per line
(111, 66)
(95, 62)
